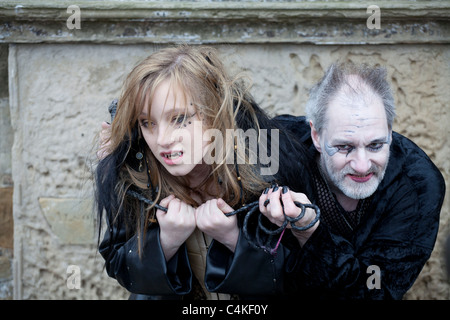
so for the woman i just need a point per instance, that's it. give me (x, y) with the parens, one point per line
(172, 178)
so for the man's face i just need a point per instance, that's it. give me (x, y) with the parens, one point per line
(354, 145)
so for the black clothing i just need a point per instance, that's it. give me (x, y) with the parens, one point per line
(151, 275)
(248, 272)
(397, 232)
(339, 220)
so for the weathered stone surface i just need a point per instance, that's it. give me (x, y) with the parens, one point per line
(70, 220)
(6, 218)
(5, 268)
(57, 115)
(61, 82)
(318, 22)
(6, 275)
(6, 134)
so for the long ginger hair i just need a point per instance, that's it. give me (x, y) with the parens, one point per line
(224, 103)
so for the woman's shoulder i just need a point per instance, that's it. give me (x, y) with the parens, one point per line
(295, 125)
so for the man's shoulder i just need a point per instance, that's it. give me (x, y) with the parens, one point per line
(408, 161)
(407, 152)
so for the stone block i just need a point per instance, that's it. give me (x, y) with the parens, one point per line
(6, 218)
(71, 219)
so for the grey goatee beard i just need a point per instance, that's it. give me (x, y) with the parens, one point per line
(355, 190)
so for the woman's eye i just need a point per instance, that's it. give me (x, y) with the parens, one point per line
(145, 123)
(178, 119)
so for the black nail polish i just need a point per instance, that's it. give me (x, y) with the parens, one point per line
(273, 186)
(285, 189)
(275, 189)
(266, 191)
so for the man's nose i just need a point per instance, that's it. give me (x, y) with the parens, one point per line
(360, 161)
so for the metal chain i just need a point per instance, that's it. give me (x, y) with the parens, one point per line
(251, 209)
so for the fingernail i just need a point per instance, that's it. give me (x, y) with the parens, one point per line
(108, 122)
(275, 189)
(266, 190)
(273, 186)
(285, 189)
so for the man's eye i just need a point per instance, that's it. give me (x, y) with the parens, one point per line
(345, 148)
(375, 146)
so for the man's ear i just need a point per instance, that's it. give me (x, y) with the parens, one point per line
(315, 137)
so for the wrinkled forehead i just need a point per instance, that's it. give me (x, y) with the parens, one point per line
(356, 111)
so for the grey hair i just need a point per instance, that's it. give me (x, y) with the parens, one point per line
(335, 78)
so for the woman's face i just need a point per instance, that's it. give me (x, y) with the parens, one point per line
(174, 131)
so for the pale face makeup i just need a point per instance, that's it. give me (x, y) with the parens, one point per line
(354, 145)
(173, 132)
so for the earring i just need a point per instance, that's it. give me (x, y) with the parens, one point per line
(139, 156)
(238, 175)
(149, 180)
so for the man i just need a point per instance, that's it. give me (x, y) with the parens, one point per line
(379, 194)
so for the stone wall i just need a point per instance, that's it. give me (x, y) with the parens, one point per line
(6, 185)
(61, 82)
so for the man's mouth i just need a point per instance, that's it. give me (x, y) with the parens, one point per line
(361, 179)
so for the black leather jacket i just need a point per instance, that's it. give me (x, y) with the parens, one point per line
(248, 272)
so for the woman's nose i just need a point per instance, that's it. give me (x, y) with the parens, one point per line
(165, 137)
(169, 135)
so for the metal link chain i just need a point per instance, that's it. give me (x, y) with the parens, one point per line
(251, 209)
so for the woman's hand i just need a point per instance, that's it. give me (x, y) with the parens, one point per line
(176, 225)
(105, 134)
(211, 219)
(283, 197)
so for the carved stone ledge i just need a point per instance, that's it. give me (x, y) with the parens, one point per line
(342, 22)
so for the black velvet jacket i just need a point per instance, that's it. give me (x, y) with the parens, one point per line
(397, 234)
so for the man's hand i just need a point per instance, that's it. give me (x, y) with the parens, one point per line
(283, 197)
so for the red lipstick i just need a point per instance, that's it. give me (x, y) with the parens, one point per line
(361, 179)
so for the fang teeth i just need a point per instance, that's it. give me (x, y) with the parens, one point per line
(173, 155)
